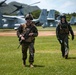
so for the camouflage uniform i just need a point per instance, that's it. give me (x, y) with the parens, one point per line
(62, 32)
(29, 42)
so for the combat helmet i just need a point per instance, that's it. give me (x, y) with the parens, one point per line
(29, 16)
(63, 16)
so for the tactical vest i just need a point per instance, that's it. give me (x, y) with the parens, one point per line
(64, 29)
(25, 31)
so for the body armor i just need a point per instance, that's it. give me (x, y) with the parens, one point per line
(26, 31)
(64, 29)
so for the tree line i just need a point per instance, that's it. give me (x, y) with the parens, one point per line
(68, 15)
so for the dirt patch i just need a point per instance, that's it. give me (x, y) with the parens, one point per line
(7, 33)
(47, 33)
(41, 33)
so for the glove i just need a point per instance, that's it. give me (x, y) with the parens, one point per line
(72, 37)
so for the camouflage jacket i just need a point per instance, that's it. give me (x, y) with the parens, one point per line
(64, 30)
(25, 30)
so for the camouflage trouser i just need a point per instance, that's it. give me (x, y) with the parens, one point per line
(25, 47)
(64, 46)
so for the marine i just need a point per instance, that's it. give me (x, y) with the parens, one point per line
(26, 34)
(62, 32)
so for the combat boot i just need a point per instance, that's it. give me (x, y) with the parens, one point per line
(31, 65)
(24, 63)
(66, 56)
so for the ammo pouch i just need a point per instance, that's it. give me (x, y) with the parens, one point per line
(29, 39)
(64, 31)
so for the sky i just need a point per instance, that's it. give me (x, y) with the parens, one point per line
(63, 6)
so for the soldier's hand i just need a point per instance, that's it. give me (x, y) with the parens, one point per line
(72, 37)
(31, 34)
(22, 38)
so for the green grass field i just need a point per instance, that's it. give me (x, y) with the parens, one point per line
(48, 60)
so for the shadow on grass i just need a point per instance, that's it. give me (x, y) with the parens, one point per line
(71, 57)
(39, 66)
(36, 66)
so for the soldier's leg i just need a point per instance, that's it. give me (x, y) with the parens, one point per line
(62, 49)
(31, 53)
(66, 47)
(24, 53)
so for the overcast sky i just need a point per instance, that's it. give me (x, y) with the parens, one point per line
(63, 6)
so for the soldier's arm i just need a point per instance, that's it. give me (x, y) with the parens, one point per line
(71, 31)
(35, 31)
(57, 32)
(19, 31)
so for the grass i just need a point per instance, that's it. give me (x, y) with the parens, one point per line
(46, 29)
(53, 28)
(48, 60)
(40, 28)
(6, 30)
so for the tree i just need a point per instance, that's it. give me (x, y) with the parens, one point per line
(36, 13)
